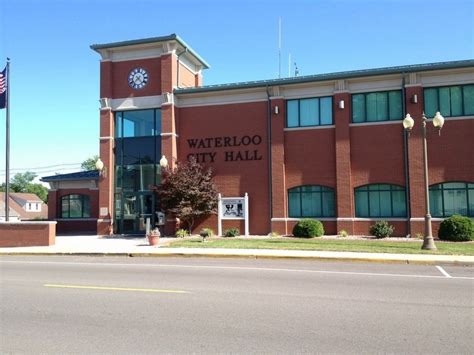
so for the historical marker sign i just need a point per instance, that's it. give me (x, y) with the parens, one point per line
(233, 208)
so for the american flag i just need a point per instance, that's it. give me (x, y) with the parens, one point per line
(3, 88)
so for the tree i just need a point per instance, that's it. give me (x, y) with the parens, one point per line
(89, 163)
(188, 192)
(23, 182)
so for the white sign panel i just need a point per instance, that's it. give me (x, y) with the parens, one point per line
(232, 208)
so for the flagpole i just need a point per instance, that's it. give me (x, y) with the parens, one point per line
(7, 164)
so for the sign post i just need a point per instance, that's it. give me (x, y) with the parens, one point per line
(233, 208)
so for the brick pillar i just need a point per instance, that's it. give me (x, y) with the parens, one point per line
(415, 161)
(106, 181)
(168, 121)
(53, 205)
(279, 193)
(344, 188)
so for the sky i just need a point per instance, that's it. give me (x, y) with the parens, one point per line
(54, 75)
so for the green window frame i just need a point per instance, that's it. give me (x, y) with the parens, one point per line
(309, 112)
(451, 101)
(380, 201)
(75, 206)
(450, 198)
(314, 201)
(377, 106)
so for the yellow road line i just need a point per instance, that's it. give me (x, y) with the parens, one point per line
(114, 288)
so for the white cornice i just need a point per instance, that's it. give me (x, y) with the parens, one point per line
(135, 103)
(222, 98)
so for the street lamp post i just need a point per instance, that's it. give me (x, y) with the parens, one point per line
(438, 122)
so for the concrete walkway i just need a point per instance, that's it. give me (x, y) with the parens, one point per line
(128, 246)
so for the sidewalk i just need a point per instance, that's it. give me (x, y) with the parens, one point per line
(93, 245)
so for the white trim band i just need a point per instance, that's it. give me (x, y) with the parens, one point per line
(422, 219)
(279, 219)
(307, 128)
(169, 134)
(399, 122)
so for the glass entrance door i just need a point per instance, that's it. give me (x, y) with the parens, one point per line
(132, 211)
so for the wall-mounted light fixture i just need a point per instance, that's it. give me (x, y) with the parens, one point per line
(276, 110)
(99, 165)
(163, 162)
(414, 99)
(341, 104)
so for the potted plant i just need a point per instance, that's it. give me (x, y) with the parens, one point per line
(154, 236)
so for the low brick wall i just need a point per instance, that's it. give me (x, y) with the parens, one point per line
(25, 234)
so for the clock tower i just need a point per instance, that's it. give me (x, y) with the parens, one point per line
(138, 124)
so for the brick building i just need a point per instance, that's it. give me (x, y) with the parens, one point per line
(329, 146)
(73, 201)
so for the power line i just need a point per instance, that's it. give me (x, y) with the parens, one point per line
(60, 166)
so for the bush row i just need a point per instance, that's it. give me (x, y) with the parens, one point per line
(455, 229)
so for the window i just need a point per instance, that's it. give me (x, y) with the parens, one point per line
(75, 206)
(377, 106)
(309, 112)
(311, 201)
(380, 200)
(140, 123)
(451, 101)
(451, 198)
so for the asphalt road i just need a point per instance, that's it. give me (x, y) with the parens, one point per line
(61, 305)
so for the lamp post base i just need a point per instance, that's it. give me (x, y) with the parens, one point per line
(428, 243)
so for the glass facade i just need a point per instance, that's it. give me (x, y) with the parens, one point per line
(137, 153)
(311, 201)
(451, 101)
(75, 206)
(380, 200)
(309, 112)
(377, 106)
(451, 198)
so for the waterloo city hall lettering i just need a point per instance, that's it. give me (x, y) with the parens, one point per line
(247, 151)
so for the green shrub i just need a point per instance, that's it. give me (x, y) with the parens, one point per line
(181, 233)
(308, 228)
(381, 229)
(343, 233)
(206, 233)
(456, 229)
(232, 232)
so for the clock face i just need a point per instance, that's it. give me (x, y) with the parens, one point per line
(138, 78)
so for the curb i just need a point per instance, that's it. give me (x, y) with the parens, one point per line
(387, 260)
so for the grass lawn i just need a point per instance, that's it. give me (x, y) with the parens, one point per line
(368, 246)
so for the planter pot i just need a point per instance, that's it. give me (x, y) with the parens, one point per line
(153, 239)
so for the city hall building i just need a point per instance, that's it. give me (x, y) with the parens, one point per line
(329, 146)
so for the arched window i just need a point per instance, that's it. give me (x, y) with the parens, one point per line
(311, 201)
(380, 200)
(75, 206)
(451, 198)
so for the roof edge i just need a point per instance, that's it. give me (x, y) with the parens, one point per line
(331, 76)
(171, 37)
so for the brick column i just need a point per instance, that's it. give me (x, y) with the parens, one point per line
(279, 193)
(168, 121)
(106, 181)
(344, 188)
(415, 161)
(53, 204)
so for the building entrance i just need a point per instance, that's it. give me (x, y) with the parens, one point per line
(132, 211)
(137, 150)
